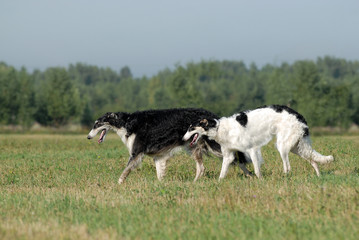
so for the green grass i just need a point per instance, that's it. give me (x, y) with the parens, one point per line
(65, 187)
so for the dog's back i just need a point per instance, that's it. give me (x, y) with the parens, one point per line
(160, 129)
(268, 121)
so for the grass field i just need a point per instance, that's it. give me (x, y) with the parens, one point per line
(65, 187)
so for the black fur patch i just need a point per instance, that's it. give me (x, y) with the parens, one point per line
(240, 158)
(242, 118)
(157, 130)
(306, 132)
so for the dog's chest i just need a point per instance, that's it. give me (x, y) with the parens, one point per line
(128, 141)
(232, 135)
(229, 132)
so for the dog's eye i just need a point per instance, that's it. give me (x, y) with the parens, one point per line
(97, 125)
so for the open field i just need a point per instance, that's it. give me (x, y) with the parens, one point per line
(64, 186)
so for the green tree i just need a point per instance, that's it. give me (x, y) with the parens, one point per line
(353, 83)
(16, 96)
(87, 116)
(125, 72)
(8, 92)
(307, 92)
(279, 88)
(26, 99)
(322, 100)
(184, 89)
(325, 92)
(60, 100)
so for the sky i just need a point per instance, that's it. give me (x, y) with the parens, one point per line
(149, 36)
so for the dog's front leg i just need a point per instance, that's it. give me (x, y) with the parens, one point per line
(228, 157)
(197, 154)
(256, 157)
(133, 162)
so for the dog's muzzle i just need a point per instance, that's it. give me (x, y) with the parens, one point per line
(186, 136)
(92, 134)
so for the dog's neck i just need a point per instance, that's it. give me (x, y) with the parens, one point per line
(122, 132)
(213, 132)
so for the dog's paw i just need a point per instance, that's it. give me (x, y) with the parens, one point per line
(249, 175)
(120, 180)
(330, 158)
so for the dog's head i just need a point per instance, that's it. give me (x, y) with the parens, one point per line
(198, 129)
(108, 121)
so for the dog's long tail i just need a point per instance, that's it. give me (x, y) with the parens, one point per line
(305, 150)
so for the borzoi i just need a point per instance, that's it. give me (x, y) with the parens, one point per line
(248, 131)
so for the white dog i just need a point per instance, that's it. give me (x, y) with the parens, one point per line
(250, 130)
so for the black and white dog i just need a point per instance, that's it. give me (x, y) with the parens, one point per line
(158, 133)
(248, 131)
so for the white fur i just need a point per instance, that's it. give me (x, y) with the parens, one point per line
(263, 124)
(128, 141)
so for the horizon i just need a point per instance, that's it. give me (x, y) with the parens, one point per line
(31, 71)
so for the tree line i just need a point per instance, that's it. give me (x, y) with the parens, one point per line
(325, 91)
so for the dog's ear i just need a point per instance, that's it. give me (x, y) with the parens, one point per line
(203, 123)
(207, 124)
(112, 118)
(107, 116)
(113, 115)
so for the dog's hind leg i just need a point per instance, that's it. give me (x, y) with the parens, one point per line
(284, 152)
(285, 143)
(305, 150)
(161, 166)
(228, 157)
(133, 162)
(316, 168)
(296, 150)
